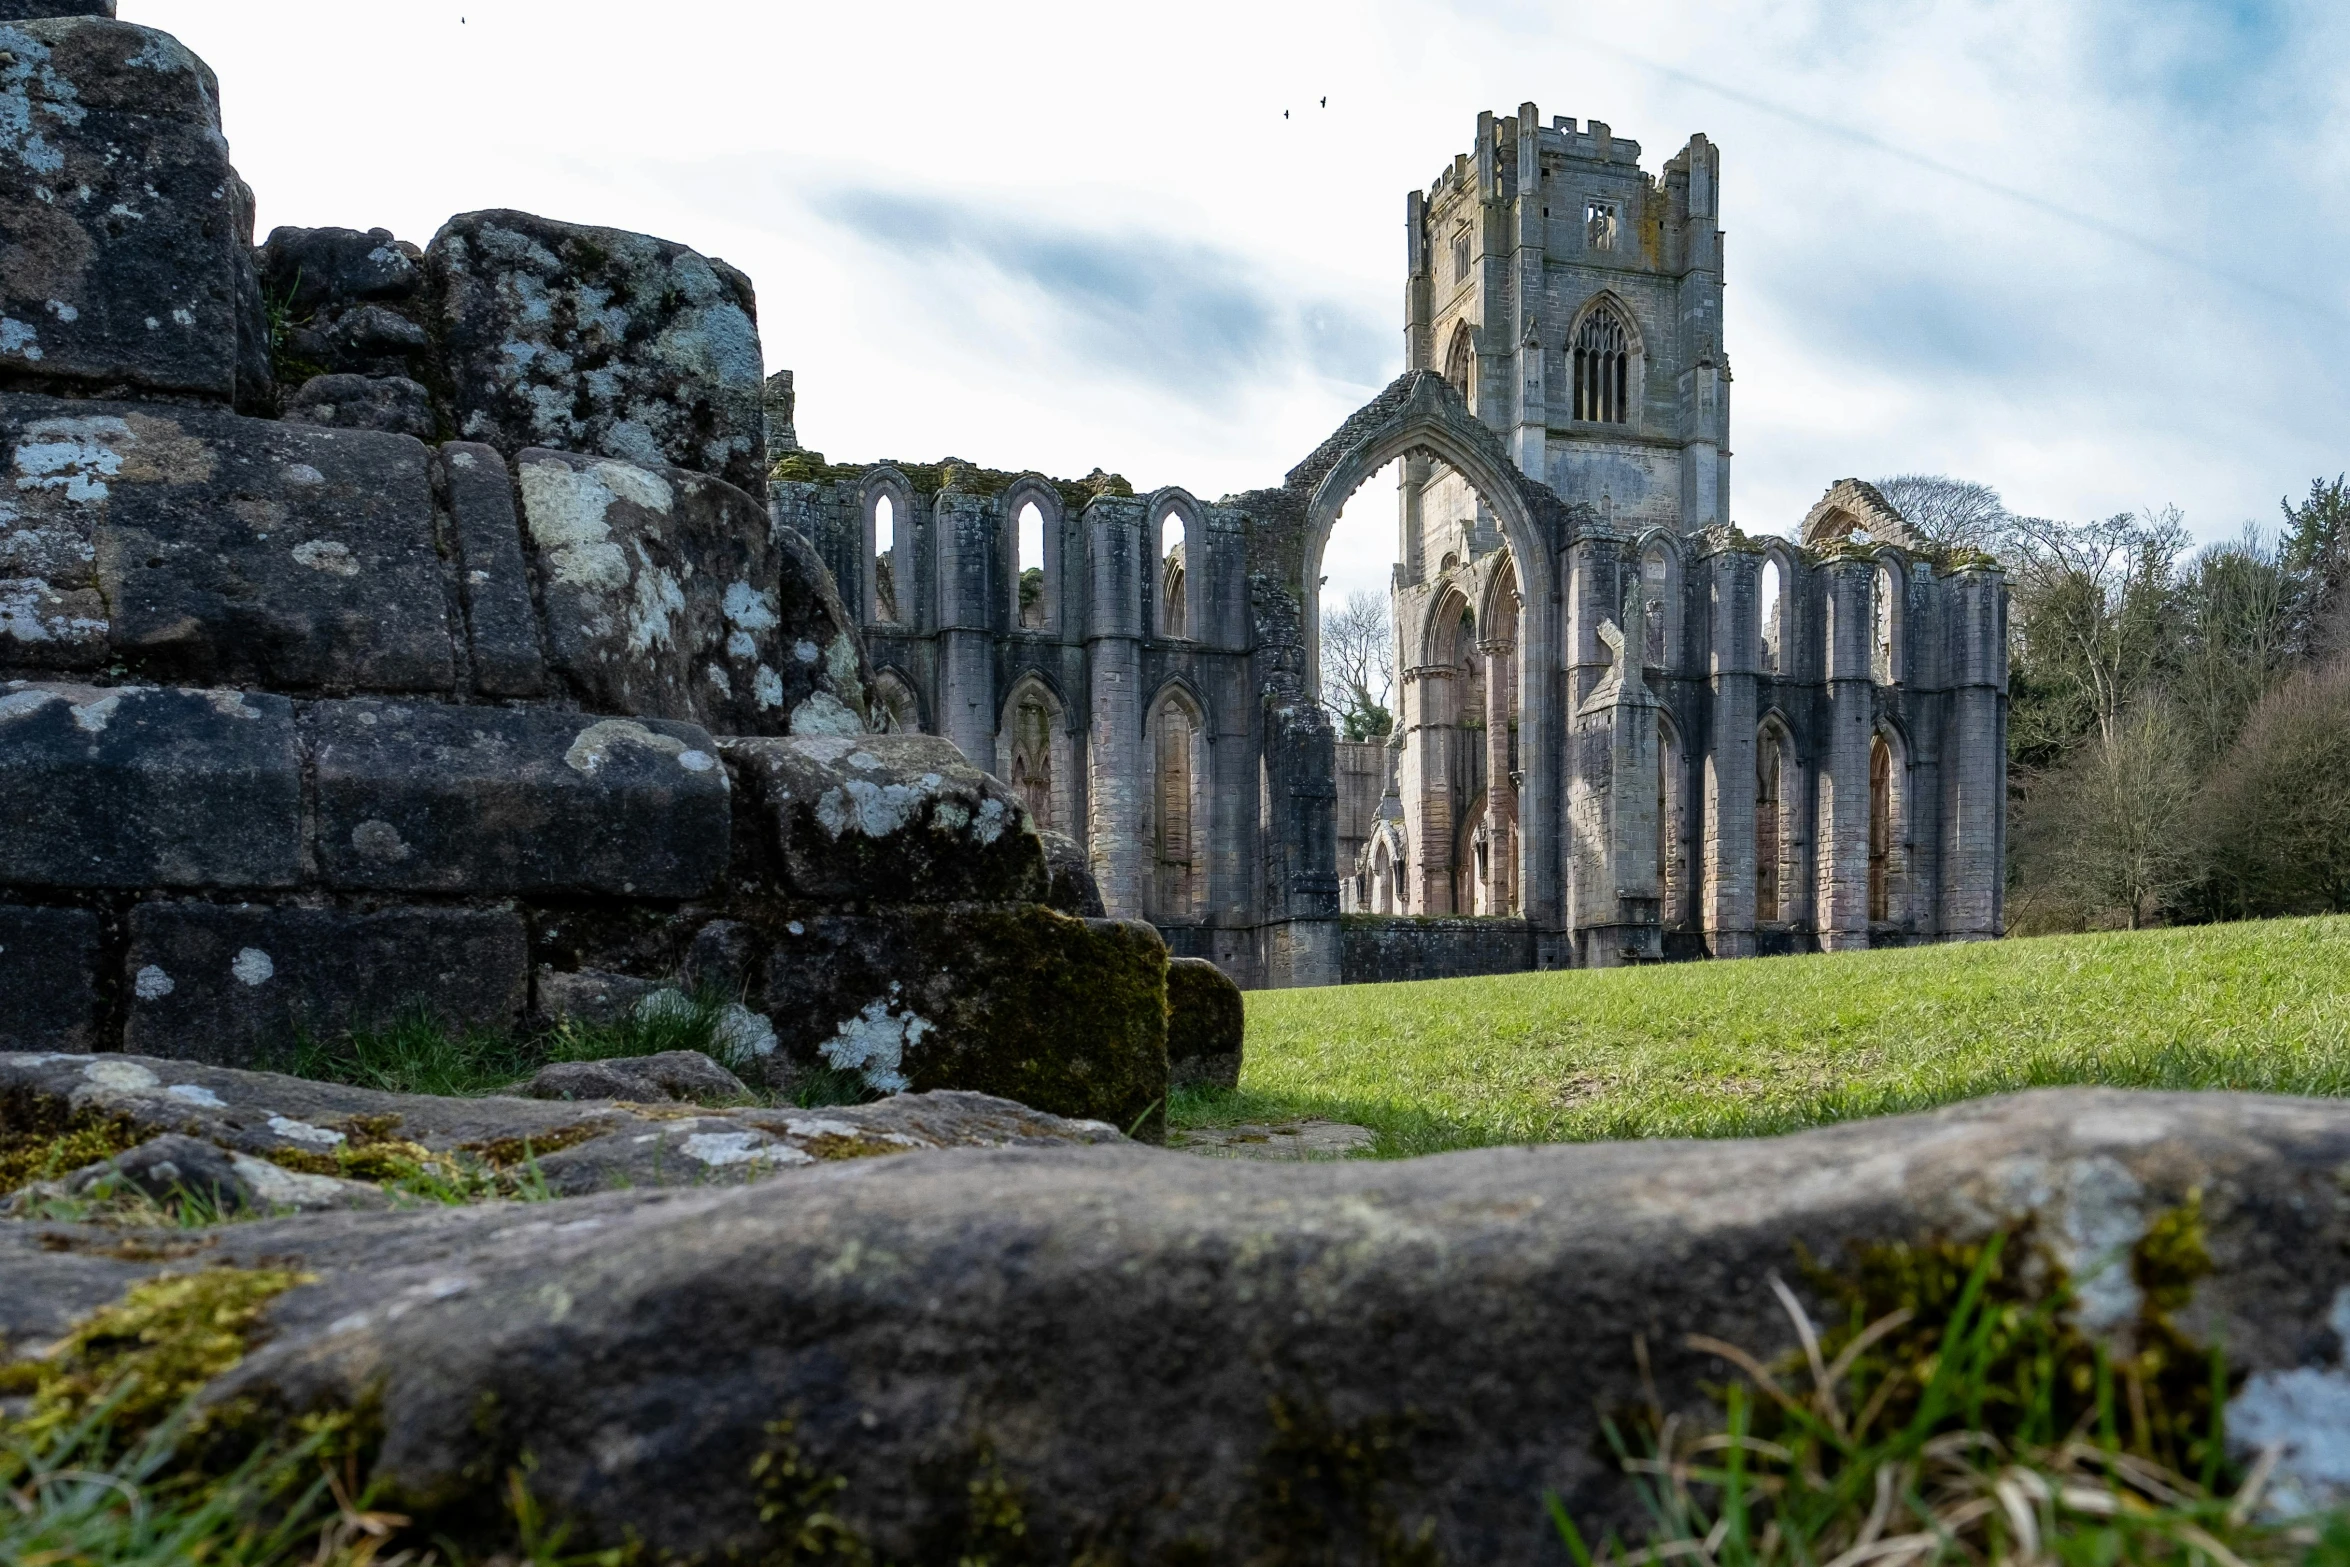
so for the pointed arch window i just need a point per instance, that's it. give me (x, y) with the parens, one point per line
(1603, 367)
(1880, 831)
(1460, 361)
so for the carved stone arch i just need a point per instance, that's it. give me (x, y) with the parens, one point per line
(1780, 894)
(1420, 414)
(1178, 743)
(1889, 819)
(1778, 618)
(1889, 617)
(1500, 596)
(1634, 381)
(1037, 490)
(1178, 573)
(896, 595)
(897, 703)
(1661, 590)
(1036, 752)
(1854, 506)
(1440, 633)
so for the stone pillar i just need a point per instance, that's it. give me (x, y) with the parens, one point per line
(1410, 542)
(1726, 856)
(966, 530)
(1427, 721)
(1974, 759)
(1501, 796)
(1116, 764)
(1531, 439)
(1417, 304)
(1841, 905)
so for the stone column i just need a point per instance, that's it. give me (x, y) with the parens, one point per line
(1501, 796)
(1974, 759)
(966, 529)
(1531, 439)
(1116, 760)
(1841, 905)
(1427, 721)
(1726, 856)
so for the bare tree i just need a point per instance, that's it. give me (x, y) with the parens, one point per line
(2277, 811)
(1358, 664)
(2237, 635)
(1954, 513)
(2093, 603)
(2122, 812)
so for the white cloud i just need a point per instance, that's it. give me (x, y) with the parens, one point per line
(1062, 236)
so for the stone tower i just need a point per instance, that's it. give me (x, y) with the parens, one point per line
(1575, 300)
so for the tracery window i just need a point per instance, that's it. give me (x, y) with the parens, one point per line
(1460, 255)
(1603, 367)
(1460, 359)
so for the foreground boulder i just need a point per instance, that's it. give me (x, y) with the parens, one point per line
(1142, 1357)
(1205, 1023)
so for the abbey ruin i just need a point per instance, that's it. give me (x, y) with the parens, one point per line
(1627, 730)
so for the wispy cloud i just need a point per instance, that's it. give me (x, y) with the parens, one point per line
(1142, 306)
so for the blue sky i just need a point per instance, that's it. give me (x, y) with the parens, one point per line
(2089, 253)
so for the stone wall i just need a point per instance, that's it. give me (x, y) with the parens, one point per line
(1376, 948)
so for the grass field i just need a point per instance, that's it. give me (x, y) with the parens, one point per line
(1769, 1045)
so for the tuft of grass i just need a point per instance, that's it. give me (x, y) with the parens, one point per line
(1960, 1454)
(1761, 1046)
(416, 1053)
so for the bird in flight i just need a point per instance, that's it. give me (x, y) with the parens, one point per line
(1325, 100)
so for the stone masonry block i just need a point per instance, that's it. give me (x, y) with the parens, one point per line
(1063, 1015)
(127, 260)
(666, 599)
(426, 797)
(230, 984)
(888, 819)
(49, 977)
(1205, 1022)
(197, 547)
(600, 341)
(131, 786)
(500, 622)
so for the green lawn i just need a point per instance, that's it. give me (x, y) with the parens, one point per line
(1769, 1045)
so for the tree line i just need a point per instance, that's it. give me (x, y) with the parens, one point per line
(2179, 717)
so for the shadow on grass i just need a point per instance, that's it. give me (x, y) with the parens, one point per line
(1403, 1131)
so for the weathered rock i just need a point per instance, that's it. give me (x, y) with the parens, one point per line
(576, 1148)
(307, 268)
(501, 623)
(230, 984)
(886, 819)
(1066, 1015)
(37, 10)
(600, 341)
(1158, 1356)
(665, 599)
(590, 995)
(1205, 1023)
(391, 403)
(174, 1166)
(128, 260)
(670, 1074)
(1071, 887)
(718, 962)
(130, 786)
(49, 975)
(432, 798)
(198, 547)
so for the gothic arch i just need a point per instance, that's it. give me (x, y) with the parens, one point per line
(1460, 362)
(1779, 638)
(1889, 618)
(1889, 822)
(1177, 811)
(879, 484)
(1034, 489)
(897, 705)
(1036, 753)
(1778, 822)
(1419, 413)
(1178, 581)
(1659, 557)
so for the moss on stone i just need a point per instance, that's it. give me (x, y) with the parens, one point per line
(42, 1138)
(505, 1153)
(1322, 1486)
(150, 1351)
